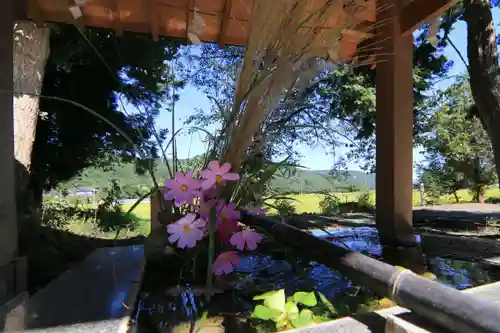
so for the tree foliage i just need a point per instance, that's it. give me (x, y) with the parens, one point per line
(103, 73)
(456, 144)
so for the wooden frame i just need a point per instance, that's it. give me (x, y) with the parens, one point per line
(418, 11)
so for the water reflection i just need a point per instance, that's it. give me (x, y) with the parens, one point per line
(455, 272)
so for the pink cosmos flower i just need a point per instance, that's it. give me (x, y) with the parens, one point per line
(187, 231)
(225, 262)
(226, 228)
(183, 189)
(227, 212)
(247, 238)
(217, 174)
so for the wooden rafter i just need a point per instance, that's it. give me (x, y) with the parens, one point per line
(189, 9)
(417, 12)
(154, 9)
(224, 23)
(115, 15)
(78, 22)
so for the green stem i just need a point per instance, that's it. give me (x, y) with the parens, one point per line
(211, 250)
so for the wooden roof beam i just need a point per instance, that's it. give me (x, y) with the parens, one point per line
(226, 13)
(417, 12)
(115, 15)
(154, 9)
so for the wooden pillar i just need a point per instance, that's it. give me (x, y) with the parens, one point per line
(8, 221)
(394, 128)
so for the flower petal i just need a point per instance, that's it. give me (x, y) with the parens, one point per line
(251, 244)
(206, 173)
(174, 228)
(224, 267)
(208, 183)
(214, 166)
(179, 176)
(170, 195)
(200, 223)
(238, 241)
(195, 234)
(225, 168)
(173, 238)
(171, 184)
(190, 241)
(187, 219)
(234, 259)
(182, 241)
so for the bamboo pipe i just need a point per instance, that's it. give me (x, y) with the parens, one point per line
(438, 303)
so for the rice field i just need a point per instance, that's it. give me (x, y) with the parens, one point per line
(309, 203)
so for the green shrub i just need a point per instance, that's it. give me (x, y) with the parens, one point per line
(330, 204)
(110, 216)
(365, 201)
(285, 207)
(492, 200)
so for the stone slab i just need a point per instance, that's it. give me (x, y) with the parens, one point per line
(97, 295)
(13, 313)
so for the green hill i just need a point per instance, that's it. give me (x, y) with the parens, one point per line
(304, 181)
(313, 181)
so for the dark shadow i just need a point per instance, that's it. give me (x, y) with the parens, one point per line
(408, 257)
(51, 252)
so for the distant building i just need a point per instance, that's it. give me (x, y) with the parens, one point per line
(84, 192)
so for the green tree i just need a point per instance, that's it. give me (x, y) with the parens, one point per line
(457, 147)
(103, 73)
(349, 94)
(482, 66)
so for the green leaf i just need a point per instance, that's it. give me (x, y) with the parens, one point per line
(265, 313)
(273, 299)
(308, 299)
(321, 319)
(327, 303)
(305, 319)
(292, 311)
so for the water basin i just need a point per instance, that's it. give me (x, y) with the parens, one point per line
(258, 273)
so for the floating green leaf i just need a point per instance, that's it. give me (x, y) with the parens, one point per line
(265, 313)
(273, 299)
(308, 299)
(327, 303)
(304, 319)
(292, 311)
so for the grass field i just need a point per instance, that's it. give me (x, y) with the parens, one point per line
(309, 203)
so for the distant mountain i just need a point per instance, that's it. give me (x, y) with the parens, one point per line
(304, 181)
(313, 181)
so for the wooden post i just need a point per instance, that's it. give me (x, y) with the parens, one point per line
(394, 119)
(8, 220)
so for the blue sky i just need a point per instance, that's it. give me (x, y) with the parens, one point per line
(315, 159)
